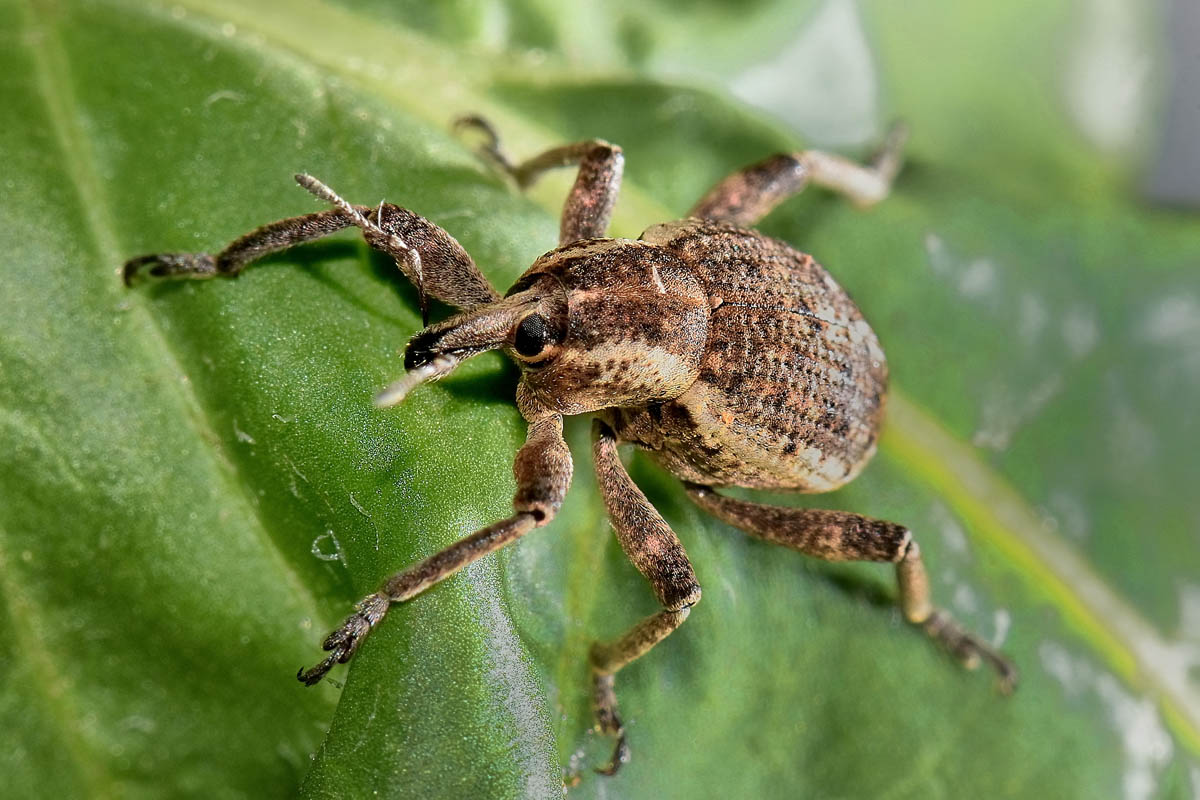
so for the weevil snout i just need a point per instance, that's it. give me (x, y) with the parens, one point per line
(529, 324)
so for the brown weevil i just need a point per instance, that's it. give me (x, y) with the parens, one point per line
(729, 357)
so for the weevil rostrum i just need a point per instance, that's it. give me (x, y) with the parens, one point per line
(731, 358)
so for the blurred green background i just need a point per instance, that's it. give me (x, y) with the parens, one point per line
(195, 486)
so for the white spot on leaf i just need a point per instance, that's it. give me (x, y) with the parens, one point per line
(1034, 375)
(1003, 414)
(1080, 332)
(1106, 79)
(1131, 439)
(952, 532)
(224, 94)
(824, 82)
(1135, 720)
(1003, 623)
(318, 547)
(1173, 318)
(241, 435)
(965, 600)
(1068, 513)
(1032, 317)
(978, 279)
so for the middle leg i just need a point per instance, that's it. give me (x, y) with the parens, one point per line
(589, 206)
(656, 552)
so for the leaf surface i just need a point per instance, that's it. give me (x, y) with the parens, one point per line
(196, 486)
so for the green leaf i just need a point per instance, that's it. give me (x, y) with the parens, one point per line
(195, 486)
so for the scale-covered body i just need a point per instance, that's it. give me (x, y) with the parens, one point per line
(776, 380)
(733, 359)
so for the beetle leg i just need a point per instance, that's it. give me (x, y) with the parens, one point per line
(230, 261)
(427, 255)
(843, 536)
(589, 206)
(746, 196)
(656, 552)
(543, 472)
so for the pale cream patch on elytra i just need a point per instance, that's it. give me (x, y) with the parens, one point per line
(828, 472)
(862, 335)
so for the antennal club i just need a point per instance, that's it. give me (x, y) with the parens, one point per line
(394, 243)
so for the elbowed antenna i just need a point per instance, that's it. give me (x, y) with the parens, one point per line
(436, 351)
(395, 245)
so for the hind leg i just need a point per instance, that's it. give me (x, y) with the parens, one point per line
(746, 196)
(842, 536)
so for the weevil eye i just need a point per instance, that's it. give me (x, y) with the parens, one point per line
(533, 334)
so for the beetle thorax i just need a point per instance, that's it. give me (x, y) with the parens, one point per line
(635, 327)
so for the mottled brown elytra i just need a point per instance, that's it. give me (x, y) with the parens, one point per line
(731, 358)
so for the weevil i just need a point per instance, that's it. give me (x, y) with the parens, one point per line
(731, 358)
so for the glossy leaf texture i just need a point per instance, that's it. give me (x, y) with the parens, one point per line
(195, 486)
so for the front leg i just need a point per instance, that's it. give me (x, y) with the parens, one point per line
(427, 255)
(843, 536)
(252, 246)
(543, 472)
(589, 206)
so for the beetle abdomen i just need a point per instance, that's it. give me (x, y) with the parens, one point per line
(791, 387)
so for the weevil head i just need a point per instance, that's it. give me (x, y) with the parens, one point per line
(597, 324)
(615, 322)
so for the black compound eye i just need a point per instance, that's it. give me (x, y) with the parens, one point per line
(533, 334)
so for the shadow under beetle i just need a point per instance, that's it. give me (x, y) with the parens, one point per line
(731, 358)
